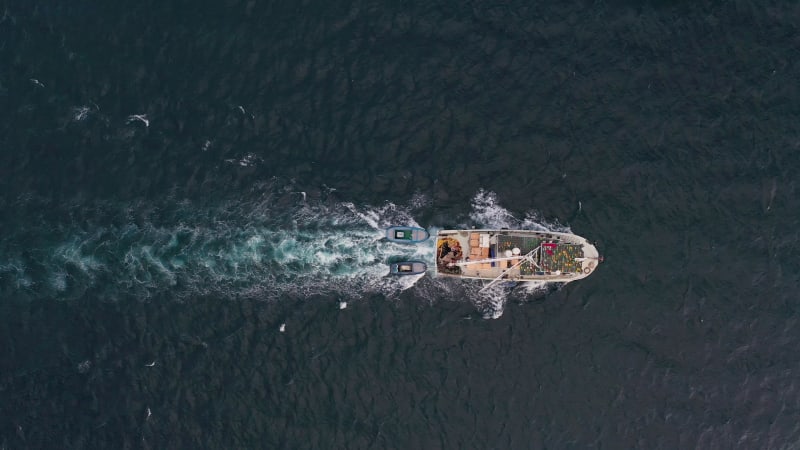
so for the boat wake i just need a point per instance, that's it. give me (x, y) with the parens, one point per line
(281, 246)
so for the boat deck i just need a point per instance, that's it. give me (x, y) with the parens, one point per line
(461, 253)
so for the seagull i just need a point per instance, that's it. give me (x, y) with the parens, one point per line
(148, 414)
(283, 327)
(139, 117)
(80, 113)
(151, 364)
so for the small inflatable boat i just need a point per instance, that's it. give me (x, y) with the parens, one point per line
(407, 268)
(406, 235)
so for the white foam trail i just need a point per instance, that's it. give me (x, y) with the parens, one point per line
(16, 270)
(488, 213)
(492, 301)
(273, 248)
(255, 250)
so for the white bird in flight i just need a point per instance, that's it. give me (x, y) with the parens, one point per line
(140, 117)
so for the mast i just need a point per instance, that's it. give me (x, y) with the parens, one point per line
(527, 257)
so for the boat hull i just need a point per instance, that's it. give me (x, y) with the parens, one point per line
(514, 255)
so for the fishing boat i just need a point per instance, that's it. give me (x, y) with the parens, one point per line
(407, 268)
(514, 255)
(406, 235)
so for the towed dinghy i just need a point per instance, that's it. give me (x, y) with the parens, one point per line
(407, 268)
(406, 235)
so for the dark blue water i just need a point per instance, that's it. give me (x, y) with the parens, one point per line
(192, 196)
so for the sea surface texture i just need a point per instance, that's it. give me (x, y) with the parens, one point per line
(193, 195)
